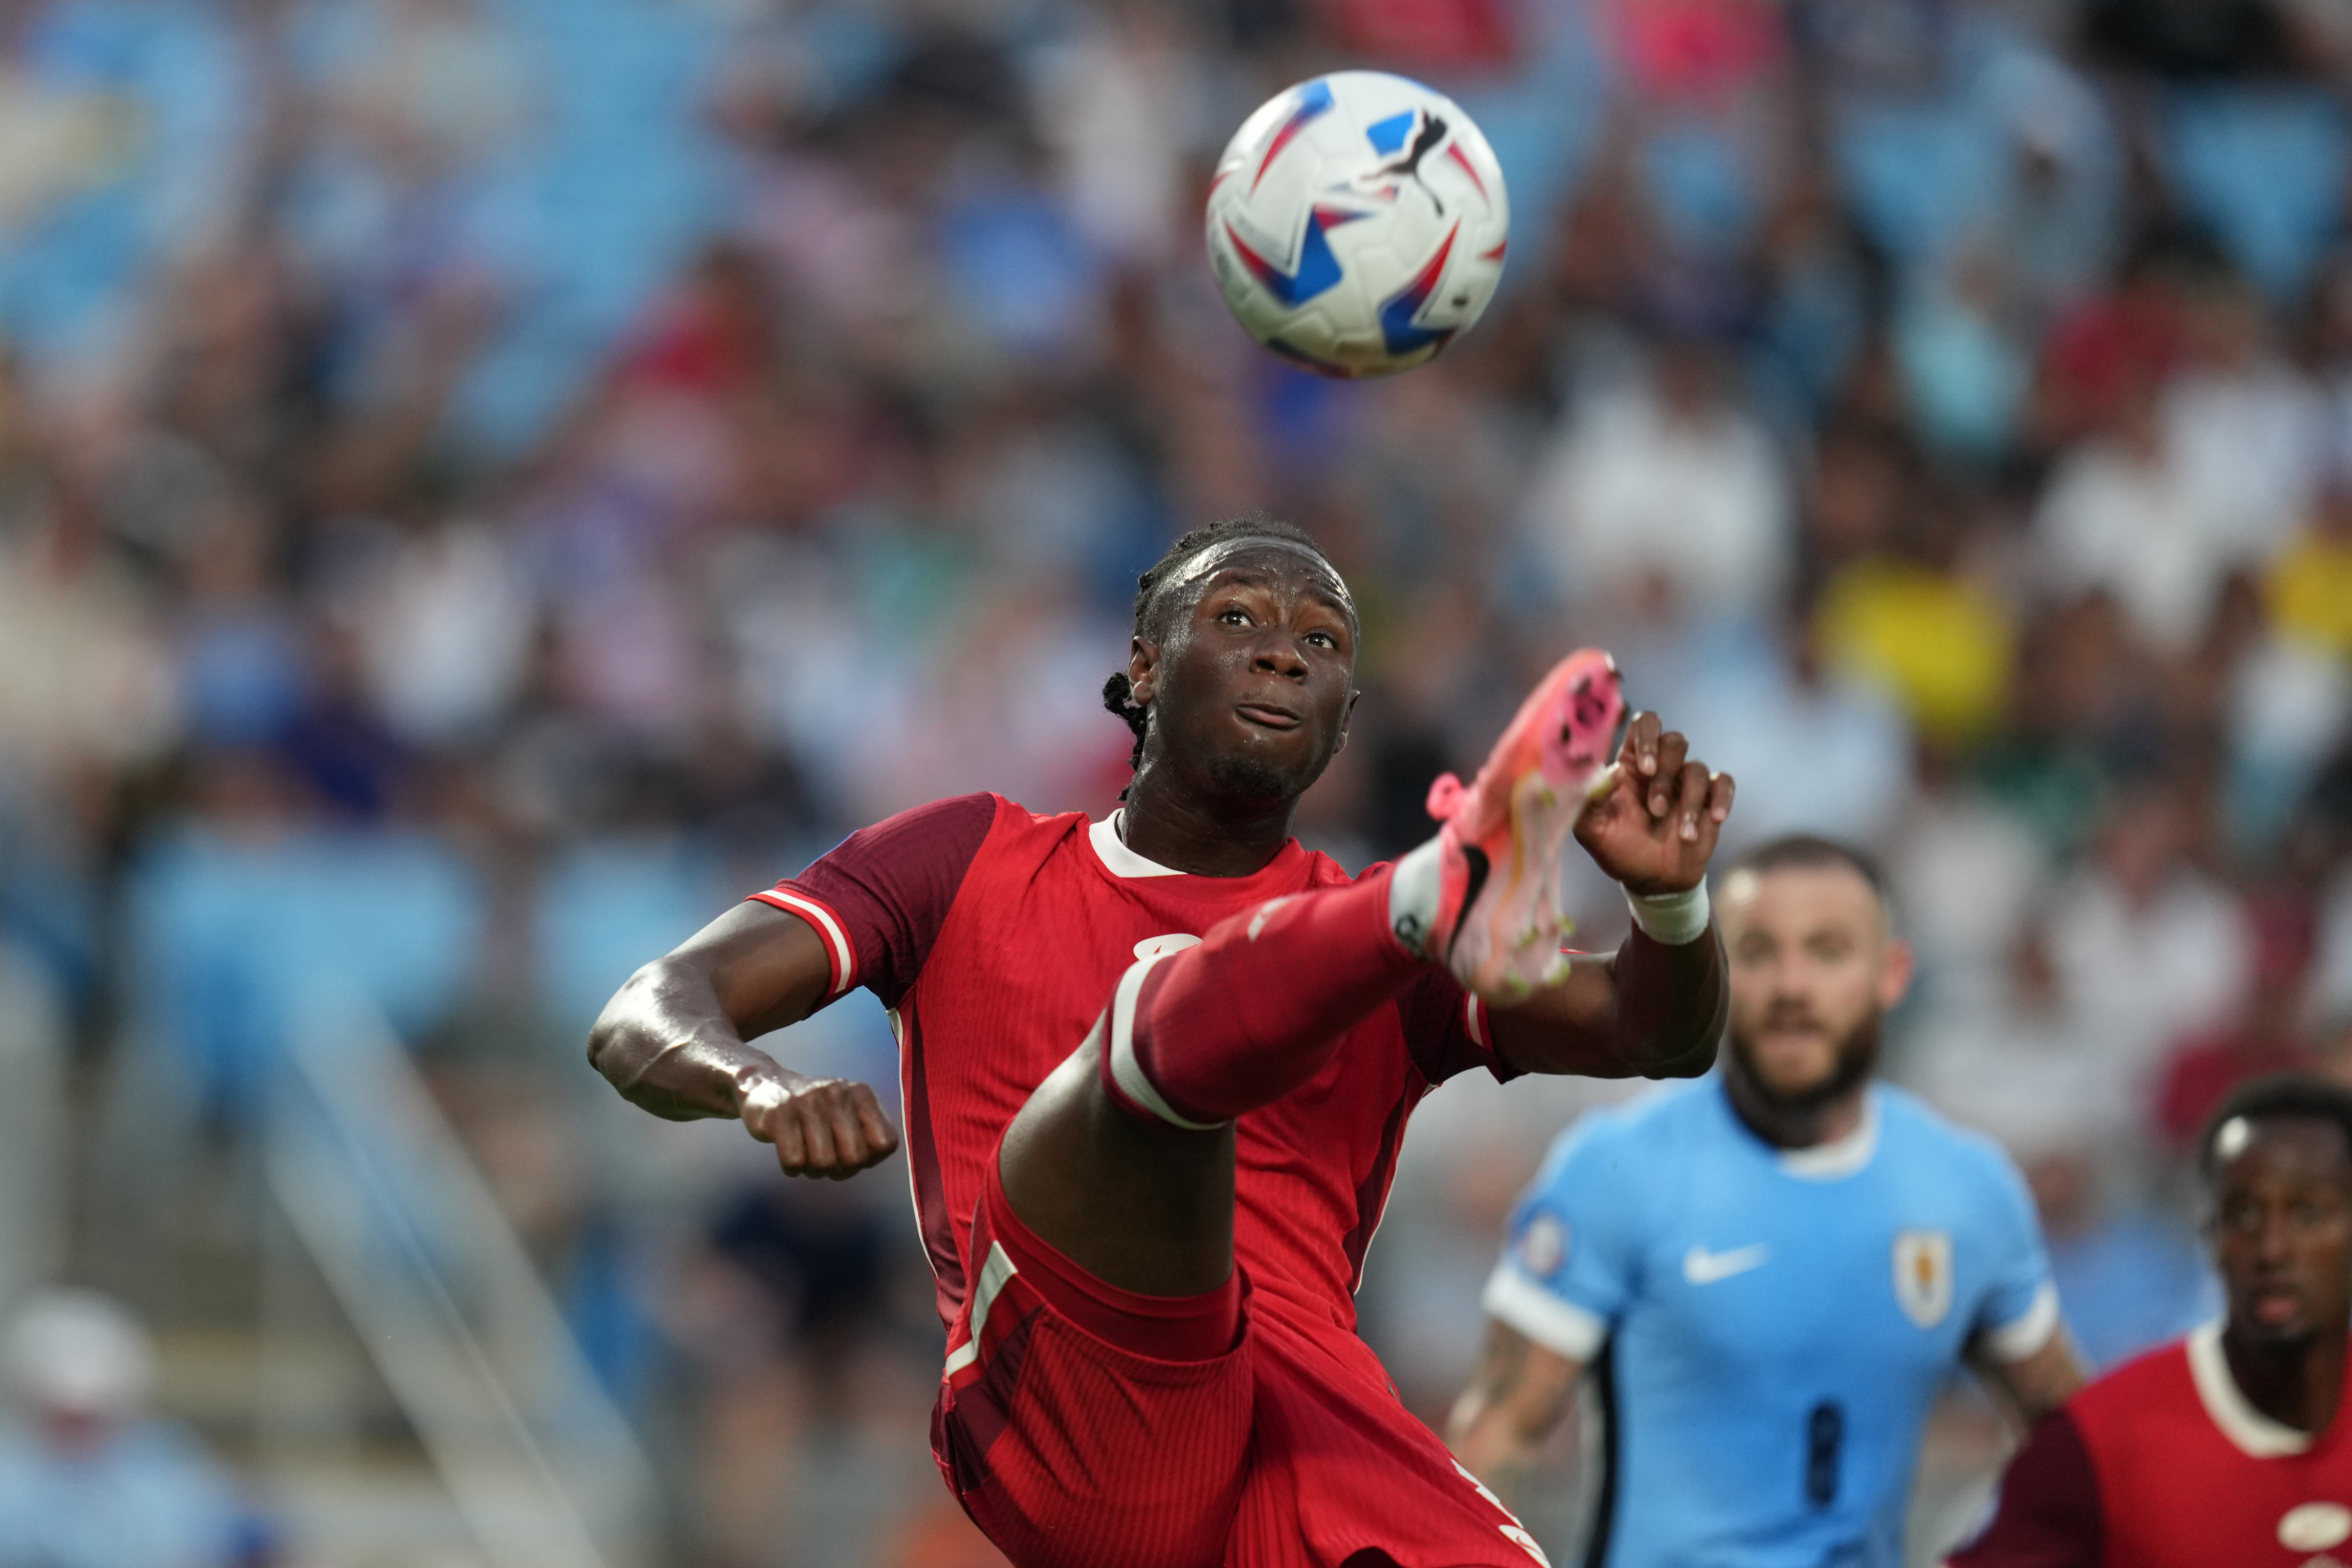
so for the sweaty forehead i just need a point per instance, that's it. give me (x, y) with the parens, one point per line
(2294, 1147)
(1801, 896)
(1274, 556)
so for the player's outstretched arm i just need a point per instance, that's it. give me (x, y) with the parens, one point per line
(1656, 1009)
(1513, 1403)
(672, 1040)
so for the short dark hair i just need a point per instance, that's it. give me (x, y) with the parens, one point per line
(1151, 602)
(1812, 852)
(2279, 1097)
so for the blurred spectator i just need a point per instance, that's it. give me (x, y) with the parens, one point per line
(130, 133)
(1120, 104)
(1665, 497)
(2334, 982)
(2078, 705)
(2061, 222)
(2332, 1056)
(2010, 1058)
(86, 680)
(33, 1062)
(2248, 427)
(2269, 1033)
(2104, 356)
(2310, 581)
(88, 1479)
(2147, 946)
(790, 1314)
(445, 630)
(1703, 51)
(424, 85)
(1814, 274)
(1964, 358)
(1812, 751)
(1957, 129)
(1439, 35)
(2125, 515)
(1916, 622)
(1968, 877)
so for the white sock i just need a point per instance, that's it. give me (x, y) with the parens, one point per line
(1413, 885)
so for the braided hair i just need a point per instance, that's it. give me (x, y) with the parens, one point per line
(1151, 604)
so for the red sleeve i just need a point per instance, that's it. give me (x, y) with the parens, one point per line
(1445, 1029)
(2049, 1506)
(879, 897)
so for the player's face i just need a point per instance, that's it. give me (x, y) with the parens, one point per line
(2282, 1228)
(1813, 970)
(1253, 679)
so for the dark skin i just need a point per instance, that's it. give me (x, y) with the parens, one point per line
(1250, 685)
(2283, 1242)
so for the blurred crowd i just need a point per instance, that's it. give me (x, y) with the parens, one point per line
(485, 482)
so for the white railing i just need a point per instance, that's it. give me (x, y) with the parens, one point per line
(539, 1460)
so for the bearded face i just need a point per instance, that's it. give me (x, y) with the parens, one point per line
(1814, 970)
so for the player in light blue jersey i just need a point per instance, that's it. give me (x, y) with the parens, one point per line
(1771, 1270)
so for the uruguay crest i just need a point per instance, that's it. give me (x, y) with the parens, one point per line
(1544, 1247)
(1923, 1275)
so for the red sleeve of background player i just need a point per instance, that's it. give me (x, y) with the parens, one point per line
(879, 895)
(1447, 1029)
(2049, 1509)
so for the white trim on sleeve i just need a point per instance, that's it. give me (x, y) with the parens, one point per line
(828, 926)
(1561, 1327)
(2025, 1334)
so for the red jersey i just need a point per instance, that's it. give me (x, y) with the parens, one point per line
(2164, 1464)
(995, 936)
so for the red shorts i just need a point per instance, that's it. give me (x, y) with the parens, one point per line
(1287, 1450)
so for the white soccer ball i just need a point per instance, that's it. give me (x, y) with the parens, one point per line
(1356, 223)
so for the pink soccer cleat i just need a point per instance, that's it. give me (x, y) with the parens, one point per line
(1498, 923)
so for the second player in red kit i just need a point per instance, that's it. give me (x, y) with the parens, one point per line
(1156, 1069)
(2232, 1446)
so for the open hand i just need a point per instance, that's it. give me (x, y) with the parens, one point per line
(1655, 828)
(829, 1127)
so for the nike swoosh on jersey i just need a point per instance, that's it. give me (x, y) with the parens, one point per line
(1701, 1267)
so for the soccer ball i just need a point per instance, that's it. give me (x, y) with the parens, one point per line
(1356, 223)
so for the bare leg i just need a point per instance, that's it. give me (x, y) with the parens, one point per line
(1135, 1183)
(1140, 1205)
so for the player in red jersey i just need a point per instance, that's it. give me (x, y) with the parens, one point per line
(1156, 1069)
(2232, 1446)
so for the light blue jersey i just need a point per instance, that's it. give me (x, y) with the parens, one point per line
(1769, 1327)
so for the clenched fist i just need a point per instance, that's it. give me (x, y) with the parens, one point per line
(829, 1127)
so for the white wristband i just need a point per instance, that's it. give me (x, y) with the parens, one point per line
(1672, 919)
